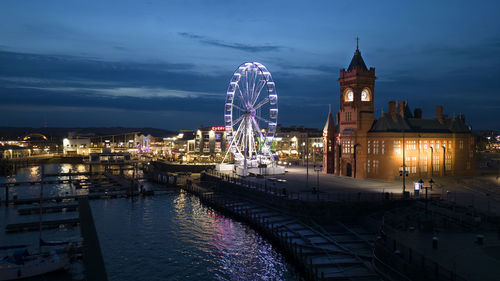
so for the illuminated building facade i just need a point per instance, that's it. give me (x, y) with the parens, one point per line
(365, 147)
(296, 144)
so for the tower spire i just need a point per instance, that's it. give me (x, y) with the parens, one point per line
(330, 108)
(357, 43)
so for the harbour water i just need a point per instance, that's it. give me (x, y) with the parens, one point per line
(170, 236)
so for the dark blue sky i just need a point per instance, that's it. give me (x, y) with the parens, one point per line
(166, 64)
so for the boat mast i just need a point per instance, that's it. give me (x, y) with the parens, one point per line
(41, 200)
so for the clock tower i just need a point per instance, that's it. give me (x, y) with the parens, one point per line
(356, 115)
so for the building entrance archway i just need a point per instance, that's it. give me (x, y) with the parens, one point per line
(348, 170)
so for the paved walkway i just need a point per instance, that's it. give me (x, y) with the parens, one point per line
(458, 252)
(482, 192)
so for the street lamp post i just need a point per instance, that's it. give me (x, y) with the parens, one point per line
(317, 168)
(421, 182)
(432, 160)
(306, 144)
(355, 161)
(405, 174)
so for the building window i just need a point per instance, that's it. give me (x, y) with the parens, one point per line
(375, 166)
(369, 162)
(369, 147)
(435, 163)
(425, 144)
(449, 144)
(461, 143)
(448, 162)
(411, 145)
(348, 116)
(347, 146)
(383, 147)
(437, 145)
(423, 164)
(375, 147)
(413, 167)
(468, 165)
(397, 147)
(411, 164)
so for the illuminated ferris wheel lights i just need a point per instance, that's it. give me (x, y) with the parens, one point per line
(251, 114)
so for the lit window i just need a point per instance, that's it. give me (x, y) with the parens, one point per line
(423, 164)
(397, 147)
(435, 163)
(411, 145)
(448, 162)
(347, 146)
(375, 147)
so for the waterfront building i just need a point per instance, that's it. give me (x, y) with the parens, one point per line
(133, 142)
(208, 145)
(9, 151)
(178, 146)
(298, 144)
(107, 157)
(365, 147)
(76, 145)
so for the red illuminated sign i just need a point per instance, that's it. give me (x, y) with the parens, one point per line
(218, 128)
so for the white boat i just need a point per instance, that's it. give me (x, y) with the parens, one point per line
(23, 265)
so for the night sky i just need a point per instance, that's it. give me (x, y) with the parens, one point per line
(167, 64)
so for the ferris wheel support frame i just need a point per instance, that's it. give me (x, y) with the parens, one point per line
(249, 141)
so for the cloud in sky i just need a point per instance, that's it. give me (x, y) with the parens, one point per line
(152, 59)
(231, 45)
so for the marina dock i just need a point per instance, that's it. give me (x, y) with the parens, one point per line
(92, 257)
(34, 226)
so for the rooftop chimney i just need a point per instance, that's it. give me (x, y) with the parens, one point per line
(402, 108)
(417, 113)
(392, 108)
(439, 112)
(461, 117)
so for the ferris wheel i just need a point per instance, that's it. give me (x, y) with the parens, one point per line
(251, 115)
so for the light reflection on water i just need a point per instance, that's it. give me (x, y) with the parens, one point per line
(174, 237)
(166, 237)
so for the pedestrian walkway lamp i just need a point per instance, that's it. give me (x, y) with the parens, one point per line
(421, 182)
(403, 172)
(317, 168)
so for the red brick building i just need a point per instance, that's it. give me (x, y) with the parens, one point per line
(360, 146)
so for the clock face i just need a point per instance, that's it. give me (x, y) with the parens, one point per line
(365, 96)
(349, 96)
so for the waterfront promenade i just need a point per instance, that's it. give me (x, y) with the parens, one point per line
(480, 192)
(409, 232)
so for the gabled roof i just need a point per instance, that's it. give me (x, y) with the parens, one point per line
(330, 125)
(396, 123)
(357, 61)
